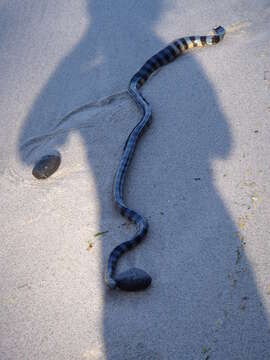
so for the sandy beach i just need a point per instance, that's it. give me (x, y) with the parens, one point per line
(200, 175)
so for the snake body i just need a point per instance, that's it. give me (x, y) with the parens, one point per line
(163, 57)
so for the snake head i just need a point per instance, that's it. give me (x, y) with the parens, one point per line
(220, 31)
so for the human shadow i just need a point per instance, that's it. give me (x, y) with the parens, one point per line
(203, 300)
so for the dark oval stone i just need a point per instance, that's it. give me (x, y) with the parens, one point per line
(46, 166)
(133, 280)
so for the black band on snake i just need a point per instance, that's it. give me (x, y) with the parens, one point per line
(136, 279)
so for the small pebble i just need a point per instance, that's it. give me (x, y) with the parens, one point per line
(46, 166)
(133, 280)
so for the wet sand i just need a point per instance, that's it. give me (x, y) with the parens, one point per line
(200, 175)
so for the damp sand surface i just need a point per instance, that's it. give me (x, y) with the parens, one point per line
(200, 175)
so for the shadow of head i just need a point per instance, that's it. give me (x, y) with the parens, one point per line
(89, 70)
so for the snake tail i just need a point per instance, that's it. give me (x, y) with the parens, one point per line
(163, 57)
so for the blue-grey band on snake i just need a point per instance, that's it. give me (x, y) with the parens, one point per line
(163, 57)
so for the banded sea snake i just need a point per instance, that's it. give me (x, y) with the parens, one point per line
(163, 57)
